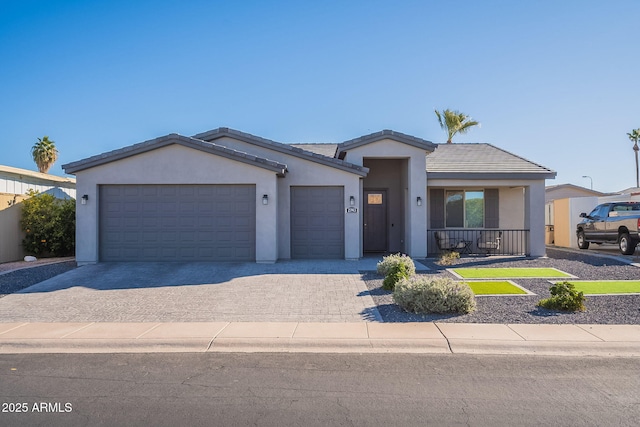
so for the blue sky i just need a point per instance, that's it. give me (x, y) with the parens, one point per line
(555, 82)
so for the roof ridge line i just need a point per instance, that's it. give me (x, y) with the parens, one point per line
(284, 148)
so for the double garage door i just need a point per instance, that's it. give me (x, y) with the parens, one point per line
(177, 222)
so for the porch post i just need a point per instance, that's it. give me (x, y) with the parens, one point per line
(416, 232)
(534, 217)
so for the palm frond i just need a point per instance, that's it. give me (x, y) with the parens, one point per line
(44, 154)
(455, 122)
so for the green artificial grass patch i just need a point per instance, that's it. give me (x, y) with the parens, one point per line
(509, 273)
(501, 287)
(601, 287)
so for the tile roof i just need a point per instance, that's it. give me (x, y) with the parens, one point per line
(174, 138)
(324, 149)
(290, 149)
(472, 161)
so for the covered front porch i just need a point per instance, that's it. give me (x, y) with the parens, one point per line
(485, 218)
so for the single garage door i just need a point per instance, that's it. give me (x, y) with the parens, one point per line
(177, 222)
(317, 222)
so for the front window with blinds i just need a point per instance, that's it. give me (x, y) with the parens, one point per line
(464, 209)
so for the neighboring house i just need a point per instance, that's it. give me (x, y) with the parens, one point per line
(565, 213)
(557, 192)
(563, 191)
(228, 195)
(14, 185)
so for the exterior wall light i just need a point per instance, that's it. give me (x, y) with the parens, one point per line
(265, 200)
(352, 201)
(84, 199)
(419, 201)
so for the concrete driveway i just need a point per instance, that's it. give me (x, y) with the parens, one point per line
(288, 291)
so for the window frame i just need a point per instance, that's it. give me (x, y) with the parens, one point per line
(452, 192)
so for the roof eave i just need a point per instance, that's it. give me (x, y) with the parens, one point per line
(279, 168)
(491, 175)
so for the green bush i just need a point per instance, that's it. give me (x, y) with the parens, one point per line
(449, 258)
(441, 295)
(385, 266)
(49, 225)
(396, 273)
(564, 297)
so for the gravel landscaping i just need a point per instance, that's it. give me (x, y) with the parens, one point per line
(606, 309)
(16, 280)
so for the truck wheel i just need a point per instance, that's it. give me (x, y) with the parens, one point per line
(627, 244)
(582, 243)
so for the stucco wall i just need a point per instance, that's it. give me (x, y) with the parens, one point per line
(176, 164)
(302, 172)
(511, 207)
(415, 232)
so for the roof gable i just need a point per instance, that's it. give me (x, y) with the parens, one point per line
(163, 141)
(385, 134)
(482, 161)
(289, 149)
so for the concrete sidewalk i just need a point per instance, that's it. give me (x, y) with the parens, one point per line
(361, 337)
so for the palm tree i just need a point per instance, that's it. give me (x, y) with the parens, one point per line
(44, 154)
(634, 136)
(454, 122)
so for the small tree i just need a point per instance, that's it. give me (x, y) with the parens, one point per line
(44, 153)
(49, 225)
(454, 122)
(634, 136)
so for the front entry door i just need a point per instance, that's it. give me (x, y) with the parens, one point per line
(375, 221)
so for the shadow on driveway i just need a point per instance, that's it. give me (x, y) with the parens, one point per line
(140, 275)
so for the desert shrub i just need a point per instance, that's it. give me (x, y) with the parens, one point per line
(396, 273)
(49, 225)
(440, 295)
(564, 297)
(449, 258)
(388, 262)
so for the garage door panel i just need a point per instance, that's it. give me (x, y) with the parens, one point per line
(177, 222)
(241, 221)
(317, 222)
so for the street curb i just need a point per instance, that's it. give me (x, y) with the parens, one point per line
(24, 346)
(300, 345)
(545, 348)
(344, 346)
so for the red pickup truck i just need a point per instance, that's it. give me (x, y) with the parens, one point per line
(616, 222)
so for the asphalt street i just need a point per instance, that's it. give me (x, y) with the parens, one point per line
(317, 389)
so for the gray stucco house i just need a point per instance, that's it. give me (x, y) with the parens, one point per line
(228, 195)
